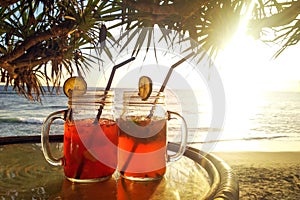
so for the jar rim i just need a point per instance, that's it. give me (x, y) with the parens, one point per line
(93, 97)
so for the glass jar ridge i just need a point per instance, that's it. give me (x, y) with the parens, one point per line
(88, 105)
(154, 107)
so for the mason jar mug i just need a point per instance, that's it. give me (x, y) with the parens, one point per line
(90, 143)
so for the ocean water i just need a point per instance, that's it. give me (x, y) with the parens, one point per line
(19, 116)
(270, 123)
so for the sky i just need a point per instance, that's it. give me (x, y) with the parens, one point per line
(248, 69)
(248, 64)
(245, 65)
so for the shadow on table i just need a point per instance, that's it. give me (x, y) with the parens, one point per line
(120, 189)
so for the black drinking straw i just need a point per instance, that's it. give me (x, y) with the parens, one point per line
(108, 86)
(162, 88)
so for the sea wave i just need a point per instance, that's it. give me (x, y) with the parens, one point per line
(29, 120)
(21, 120)
(239, 139)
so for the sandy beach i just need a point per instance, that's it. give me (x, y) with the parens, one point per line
(266, 175)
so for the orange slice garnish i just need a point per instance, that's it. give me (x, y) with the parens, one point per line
(145, 87)
(74, 86)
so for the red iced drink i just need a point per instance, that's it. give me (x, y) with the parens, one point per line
(90, 149)
(142, 148)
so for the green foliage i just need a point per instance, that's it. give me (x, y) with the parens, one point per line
(41, 39)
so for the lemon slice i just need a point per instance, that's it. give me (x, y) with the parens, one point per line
(74, 86)
(145, 87)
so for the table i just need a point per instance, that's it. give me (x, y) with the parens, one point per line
(24, 174)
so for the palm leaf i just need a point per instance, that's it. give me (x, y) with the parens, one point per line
(68, 25)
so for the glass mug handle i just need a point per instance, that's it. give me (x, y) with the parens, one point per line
(45, 137)
(184, 133)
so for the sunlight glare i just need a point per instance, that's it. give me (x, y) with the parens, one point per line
(240, 65)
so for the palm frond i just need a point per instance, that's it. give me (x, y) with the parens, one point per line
(282, 17)
(38, 38)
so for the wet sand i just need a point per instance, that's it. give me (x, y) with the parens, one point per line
(266, 175)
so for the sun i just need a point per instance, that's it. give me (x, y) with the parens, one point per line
(248, 64)
(242, 63)
(248, 70)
